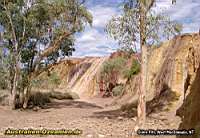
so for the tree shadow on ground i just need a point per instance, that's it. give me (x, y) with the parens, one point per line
(58, 104)
(114, 114)
(57, 100)
(161, 102)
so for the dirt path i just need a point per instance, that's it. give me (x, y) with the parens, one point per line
(92, 117)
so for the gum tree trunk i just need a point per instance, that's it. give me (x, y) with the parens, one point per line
(26, 93)
(14, 84)
(26, 96)
(141, 109)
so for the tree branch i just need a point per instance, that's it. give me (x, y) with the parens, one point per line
(82, 2)
(50, 50)
(55, 46)
(11, 24)
(24, 28)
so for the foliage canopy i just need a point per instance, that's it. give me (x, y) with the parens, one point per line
(126, 27)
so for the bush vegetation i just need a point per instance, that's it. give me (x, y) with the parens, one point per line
(45, 81)
(63, 95)
(118, 90)
(42, 98)
(54, 79)
(118, 64)
(3, 82)
(115, 64)
(4, 97)
(39, 99)
(135, 69)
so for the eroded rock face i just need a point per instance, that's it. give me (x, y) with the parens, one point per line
(80, 75)
(190, 109)
(168, 63)
(175, 66)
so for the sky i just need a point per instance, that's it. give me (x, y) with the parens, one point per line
(95, 42)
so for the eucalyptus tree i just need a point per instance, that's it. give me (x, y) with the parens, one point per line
(39, 30)
(140, 25)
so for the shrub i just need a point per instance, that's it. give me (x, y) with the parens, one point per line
(118, 90)
(3, 80)
(37, 82)
(60, 95)
(135, 69)
(3, 84)
(197, 130)
(4, 99)
(63, 95)
(74, 95)
(113, 64)
(45, 81)
(39, 99)
(54, 79)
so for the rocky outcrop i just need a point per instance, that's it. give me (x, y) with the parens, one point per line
(79, 75)
(62, 70)
(174, 70)
(169, 68)
(190, 109)
(87, 84)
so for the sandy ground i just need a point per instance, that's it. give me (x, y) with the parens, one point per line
(93, 117)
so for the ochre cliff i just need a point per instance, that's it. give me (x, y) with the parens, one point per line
(174, 68)
(79, 75)
(190, 109)
(168, 65)
(171, 66)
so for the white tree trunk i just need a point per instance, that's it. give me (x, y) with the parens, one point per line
(14, 85)
(141, 109)
(13, 93)
(26, 97)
